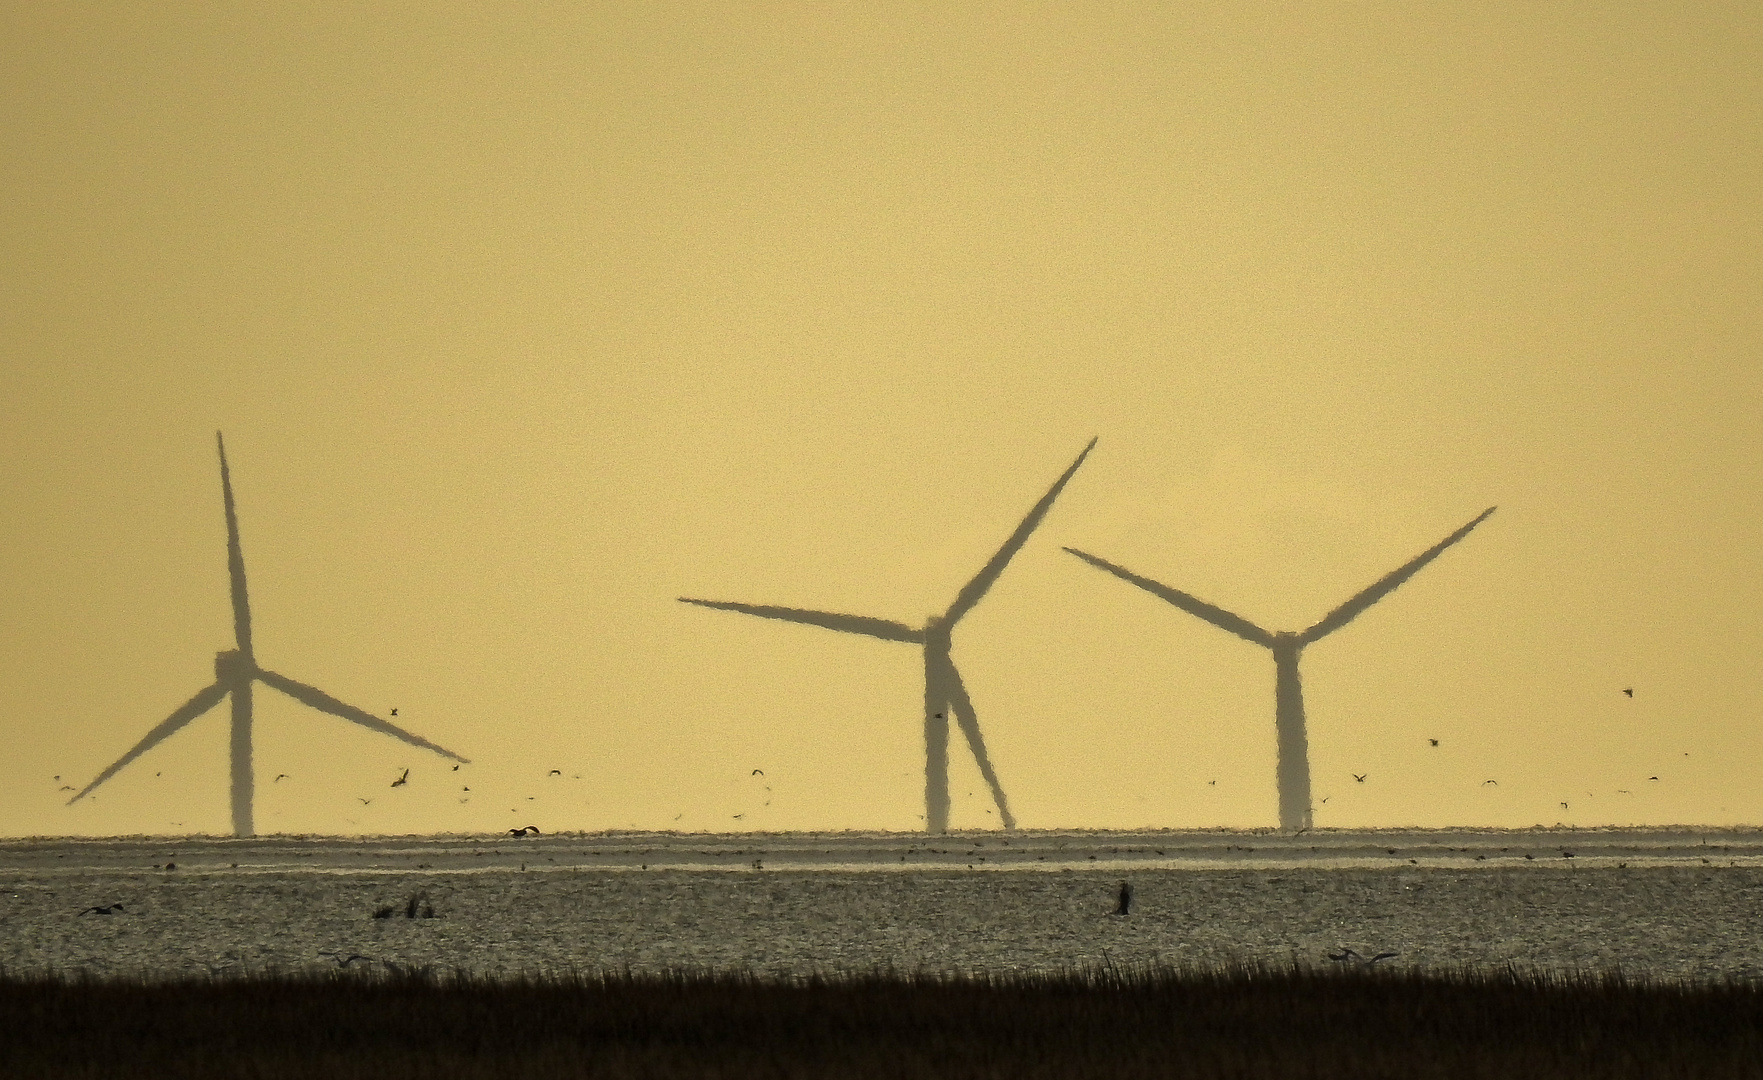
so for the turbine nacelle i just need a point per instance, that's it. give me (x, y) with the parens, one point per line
(937, 631)
(233, 668)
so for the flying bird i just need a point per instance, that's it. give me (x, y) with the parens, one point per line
(944, 692)
(402, 780)
(1490, 783)
(1652, 778)
(1629, 690)
(279, 777)
(1359, 777)
(1435, 742)
(109, 910)
(761, 772)
(394, 712)
(235, 674)
(363, 802)
(1292, 770)
(556, 772)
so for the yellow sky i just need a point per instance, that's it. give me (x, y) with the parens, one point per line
(523, 320)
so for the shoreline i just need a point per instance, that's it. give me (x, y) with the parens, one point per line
(857, 852)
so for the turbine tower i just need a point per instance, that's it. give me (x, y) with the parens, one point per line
(943, 690)
(1294, 747)
(234, 672)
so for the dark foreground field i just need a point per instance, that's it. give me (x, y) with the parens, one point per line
(1246, 1023)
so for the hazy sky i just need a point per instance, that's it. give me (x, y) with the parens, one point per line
(522, 320)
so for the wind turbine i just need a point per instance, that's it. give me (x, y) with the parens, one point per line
(234, 672)
(1288, 718)
(943, 690)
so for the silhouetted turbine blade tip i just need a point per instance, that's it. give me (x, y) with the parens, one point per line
(1387, 584)
(235, 557)
(206, 698)
(967, 719)
(1193, 605)
(315, 698)
(976, 589)
(885, 629)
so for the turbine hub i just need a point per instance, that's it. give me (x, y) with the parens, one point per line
(231, 667)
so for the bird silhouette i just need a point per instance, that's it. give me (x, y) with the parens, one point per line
(761, 772)
(1359, 777)
(279, 777)
(1629, 690)
(1652, 778)
(1488, 783)
(345, 961)
(363, 802)
(110, 910)
(394, 712)
(402, 780)
(1435, 742)
(1348, 956)
(555, 772)
(1123, 899)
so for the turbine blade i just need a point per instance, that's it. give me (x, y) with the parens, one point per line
(886, 629)
(972, 592)
(204, 700)
(235, 558)
(1385, 585)
(323, 702)
(1193, 605)
(962, 706)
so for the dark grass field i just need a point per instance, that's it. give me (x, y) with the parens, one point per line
(1118, 1024)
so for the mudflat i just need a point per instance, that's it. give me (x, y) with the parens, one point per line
(1652, 903)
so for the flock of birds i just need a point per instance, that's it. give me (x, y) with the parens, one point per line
(1359, 778)
(404, 778)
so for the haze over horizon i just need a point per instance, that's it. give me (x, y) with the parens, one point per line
(522, 322)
